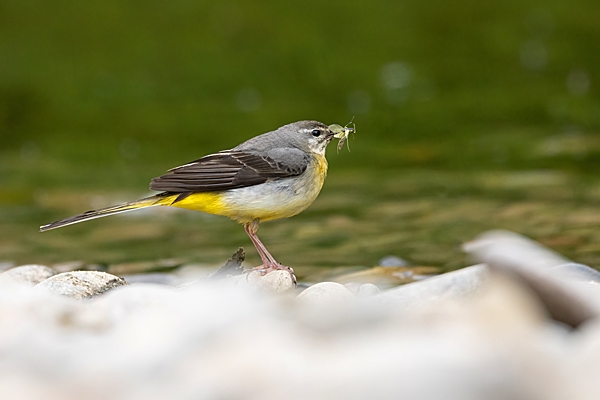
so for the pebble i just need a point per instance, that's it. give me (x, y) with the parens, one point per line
(28, 274)
(325, 293)
(274, 282)
(367, 290)
(81, 284)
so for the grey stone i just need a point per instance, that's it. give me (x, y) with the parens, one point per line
(81, 284)
(442, 287)
(28, 274)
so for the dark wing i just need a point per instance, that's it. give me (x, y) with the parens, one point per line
(231, 169)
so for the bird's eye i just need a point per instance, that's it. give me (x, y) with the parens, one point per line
(316, 132)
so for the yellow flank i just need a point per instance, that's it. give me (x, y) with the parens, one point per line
(210, 202)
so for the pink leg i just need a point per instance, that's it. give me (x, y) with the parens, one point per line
(268, 261)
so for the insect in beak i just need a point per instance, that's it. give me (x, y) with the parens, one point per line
(342, 132)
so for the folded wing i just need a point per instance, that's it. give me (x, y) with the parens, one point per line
(231, 169)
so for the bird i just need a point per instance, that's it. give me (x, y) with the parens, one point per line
(274, 175)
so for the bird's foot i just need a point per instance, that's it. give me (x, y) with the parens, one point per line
(266, 268)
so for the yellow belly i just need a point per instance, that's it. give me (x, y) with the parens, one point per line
(267, 201)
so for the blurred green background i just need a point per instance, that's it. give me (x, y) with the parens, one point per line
(469, 115)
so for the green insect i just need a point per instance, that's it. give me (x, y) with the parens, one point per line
(342, 133)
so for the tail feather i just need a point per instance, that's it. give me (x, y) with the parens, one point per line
(104, 212)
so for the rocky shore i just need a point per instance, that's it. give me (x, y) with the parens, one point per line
(522, 323)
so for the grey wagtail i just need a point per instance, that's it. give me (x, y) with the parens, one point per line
(274, 175)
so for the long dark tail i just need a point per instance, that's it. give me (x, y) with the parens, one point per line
(103, 212)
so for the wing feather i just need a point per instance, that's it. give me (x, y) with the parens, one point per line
(229, 170)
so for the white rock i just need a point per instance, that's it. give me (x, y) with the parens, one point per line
(81, 284)
(28, 274)
(274, 282)
(367, 290)
(509, 248)
(441, 287)
(568, 291)
(325, 293)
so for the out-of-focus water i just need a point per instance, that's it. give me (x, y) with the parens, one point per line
(420, 216)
